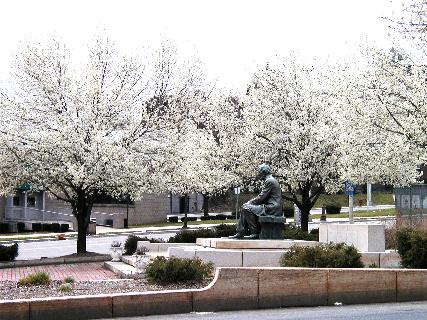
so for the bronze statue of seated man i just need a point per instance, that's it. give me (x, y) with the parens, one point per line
(267, 203)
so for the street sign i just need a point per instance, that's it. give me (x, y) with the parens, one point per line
(349, 188)
(237, 190)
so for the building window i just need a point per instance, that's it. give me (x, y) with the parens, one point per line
(16, 200)
(31, 200)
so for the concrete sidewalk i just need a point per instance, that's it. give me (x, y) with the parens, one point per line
(79, 272)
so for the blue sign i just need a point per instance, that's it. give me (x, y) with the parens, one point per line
(349, 188)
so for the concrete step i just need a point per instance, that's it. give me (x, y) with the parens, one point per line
(122, 269)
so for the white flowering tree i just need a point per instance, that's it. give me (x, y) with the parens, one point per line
(202, 155)
(291, 123)
(78, 130)
(390, 107)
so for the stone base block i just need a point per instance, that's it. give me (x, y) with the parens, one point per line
(365, 237)
(266, 258)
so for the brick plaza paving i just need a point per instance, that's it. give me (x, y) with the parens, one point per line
(79, 271)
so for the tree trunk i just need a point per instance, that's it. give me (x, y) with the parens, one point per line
(82, 211)
(304, 219)
(205, 205)
(82, 226)
(187, 209)
(305, 208)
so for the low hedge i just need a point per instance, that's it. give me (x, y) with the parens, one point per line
(4, 227)
(131, 243)
(20, 226)
(8, 253)
(173, 219)
(173, 270)
(412, 247)
(296, 233)
(333, 208)
(55, 227)
(288, 212)
(332, 255)
(190, 236)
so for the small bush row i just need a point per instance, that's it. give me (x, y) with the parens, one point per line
(132, 242)
(190, 236)
(172, 270)
(50, 227)
(296, 233)
(8, 253)
(332, 255)
(175, 219)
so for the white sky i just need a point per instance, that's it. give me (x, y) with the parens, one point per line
(231, 37)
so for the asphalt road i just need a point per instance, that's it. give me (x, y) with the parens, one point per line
(389, 311)
(51, 248)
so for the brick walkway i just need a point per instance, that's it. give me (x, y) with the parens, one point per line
(79, 271)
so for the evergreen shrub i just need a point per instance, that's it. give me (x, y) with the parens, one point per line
(296, 233)
(20, 226)
(8, 253)
(173, 270)
(412, 247)
(132, 242)
(332, 255)
(173, 219)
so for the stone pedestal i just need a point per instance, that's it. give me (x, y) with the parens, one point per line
(365, 237)
(271, 227)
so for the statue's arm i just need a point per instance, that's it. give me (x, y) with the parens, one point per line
(264, 195)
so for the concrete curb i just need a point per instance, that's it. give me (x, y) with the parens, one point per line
(46, 261)
(237, 289)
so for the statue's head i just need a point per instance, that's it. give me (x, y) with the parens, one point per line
(264, 170)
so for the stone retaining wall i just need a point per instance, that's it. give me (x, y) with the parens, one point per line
(237, 289)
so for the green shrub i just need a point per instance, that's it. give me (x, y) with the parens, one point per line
(412, 247)
(296, 233)
(65, 287)
(37, 227)
(333, 255)
(4, 227)
(8, 253)
(132, 242)
(64, 227)
(173, 219)
(288, 212)
(220, 217)
(56, 227)
(190, 236)
(34, 279)
(20, 226)
(46, 227)
(69, 279)
(333, 208)
(173, 270)
(224, 230)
